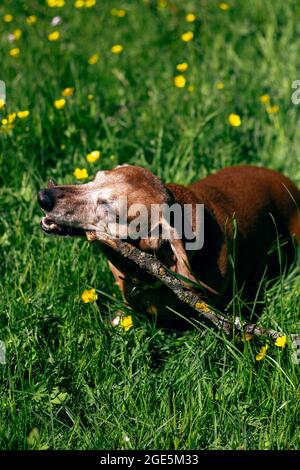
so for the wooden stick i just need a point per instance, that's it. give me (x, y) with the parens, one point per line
(153, 266)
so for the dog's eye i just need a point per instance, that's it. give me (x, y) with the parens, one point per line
(101, 201)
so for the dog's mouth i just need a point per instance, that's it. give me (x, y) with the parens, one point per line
(52, 228)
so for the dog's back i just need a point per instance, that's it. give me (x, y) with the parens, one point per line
(263, 205)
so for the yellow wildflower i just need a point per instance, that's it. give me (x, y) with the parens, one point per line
(179, 81)
(4, 122)
(11, 118)
(220, 86)
(90, 3)
(68, 91)
(126, 322)
(90, 97)
(80, 174)
(93, 156)
(190, 17)
(262, 353)
(15, 52)
(31, 19)
(17, 34)
(93, 59)
(121, 13)
(59, 104)
(54, 36)
(23, 114)
(2, 103)
(273, 109)
(188, 36)
(117, 49)
(247, 336)
(8, 18)
(265, 99)
(89, 295)
(79, 4)
(202, 306)
(182, 67)
(224, 6)
(234, 120)
(55, 3)
(280, 342)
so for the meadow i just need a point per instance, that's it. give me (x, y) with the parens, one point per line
(183, 88)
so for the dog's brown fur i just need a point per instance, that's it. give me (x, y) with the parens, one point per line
(247, 210)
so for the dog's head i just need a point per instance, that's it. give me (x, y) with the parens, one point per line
(119, 202)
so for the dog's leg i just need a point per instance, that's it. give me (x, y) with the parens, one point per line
(119, 278)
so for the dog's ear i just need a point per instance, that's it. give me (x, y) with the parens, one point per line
(181, 265)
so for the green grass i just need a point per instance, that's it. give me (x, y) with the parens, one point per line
(71, 381)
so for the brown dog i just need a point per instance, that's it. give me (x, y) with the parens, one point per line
(248, 213)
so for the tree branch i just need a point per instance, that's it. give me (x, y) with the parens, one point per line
(153, 266)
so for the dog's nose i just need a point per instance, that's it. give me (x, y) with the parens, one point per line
(46, 200)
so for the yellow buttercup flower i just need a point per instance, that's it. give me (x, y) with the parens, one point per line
(244, 337)
(182, 67)
(224, 6)
(93, 59)
(179, 81)
(4, 122)
(234, 120)
(90, 97)
(15, 52)
(11, 118)
(219, 86)
(273, 109)
(23, 114)
(188, 36)
(190, 17)
(93, 156)
(281, 341)
(79, 3)
(55, 3)
(126, 322)
(119, 13)
(59, 104)
(54, 36)
(90, 3)
(89, 295)
(117, 49)
(17, 34)
(31, 19)
(80, 174)
(2, 103)
(68, 91)
(262, 353)
(8, 18)
(265, 99)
